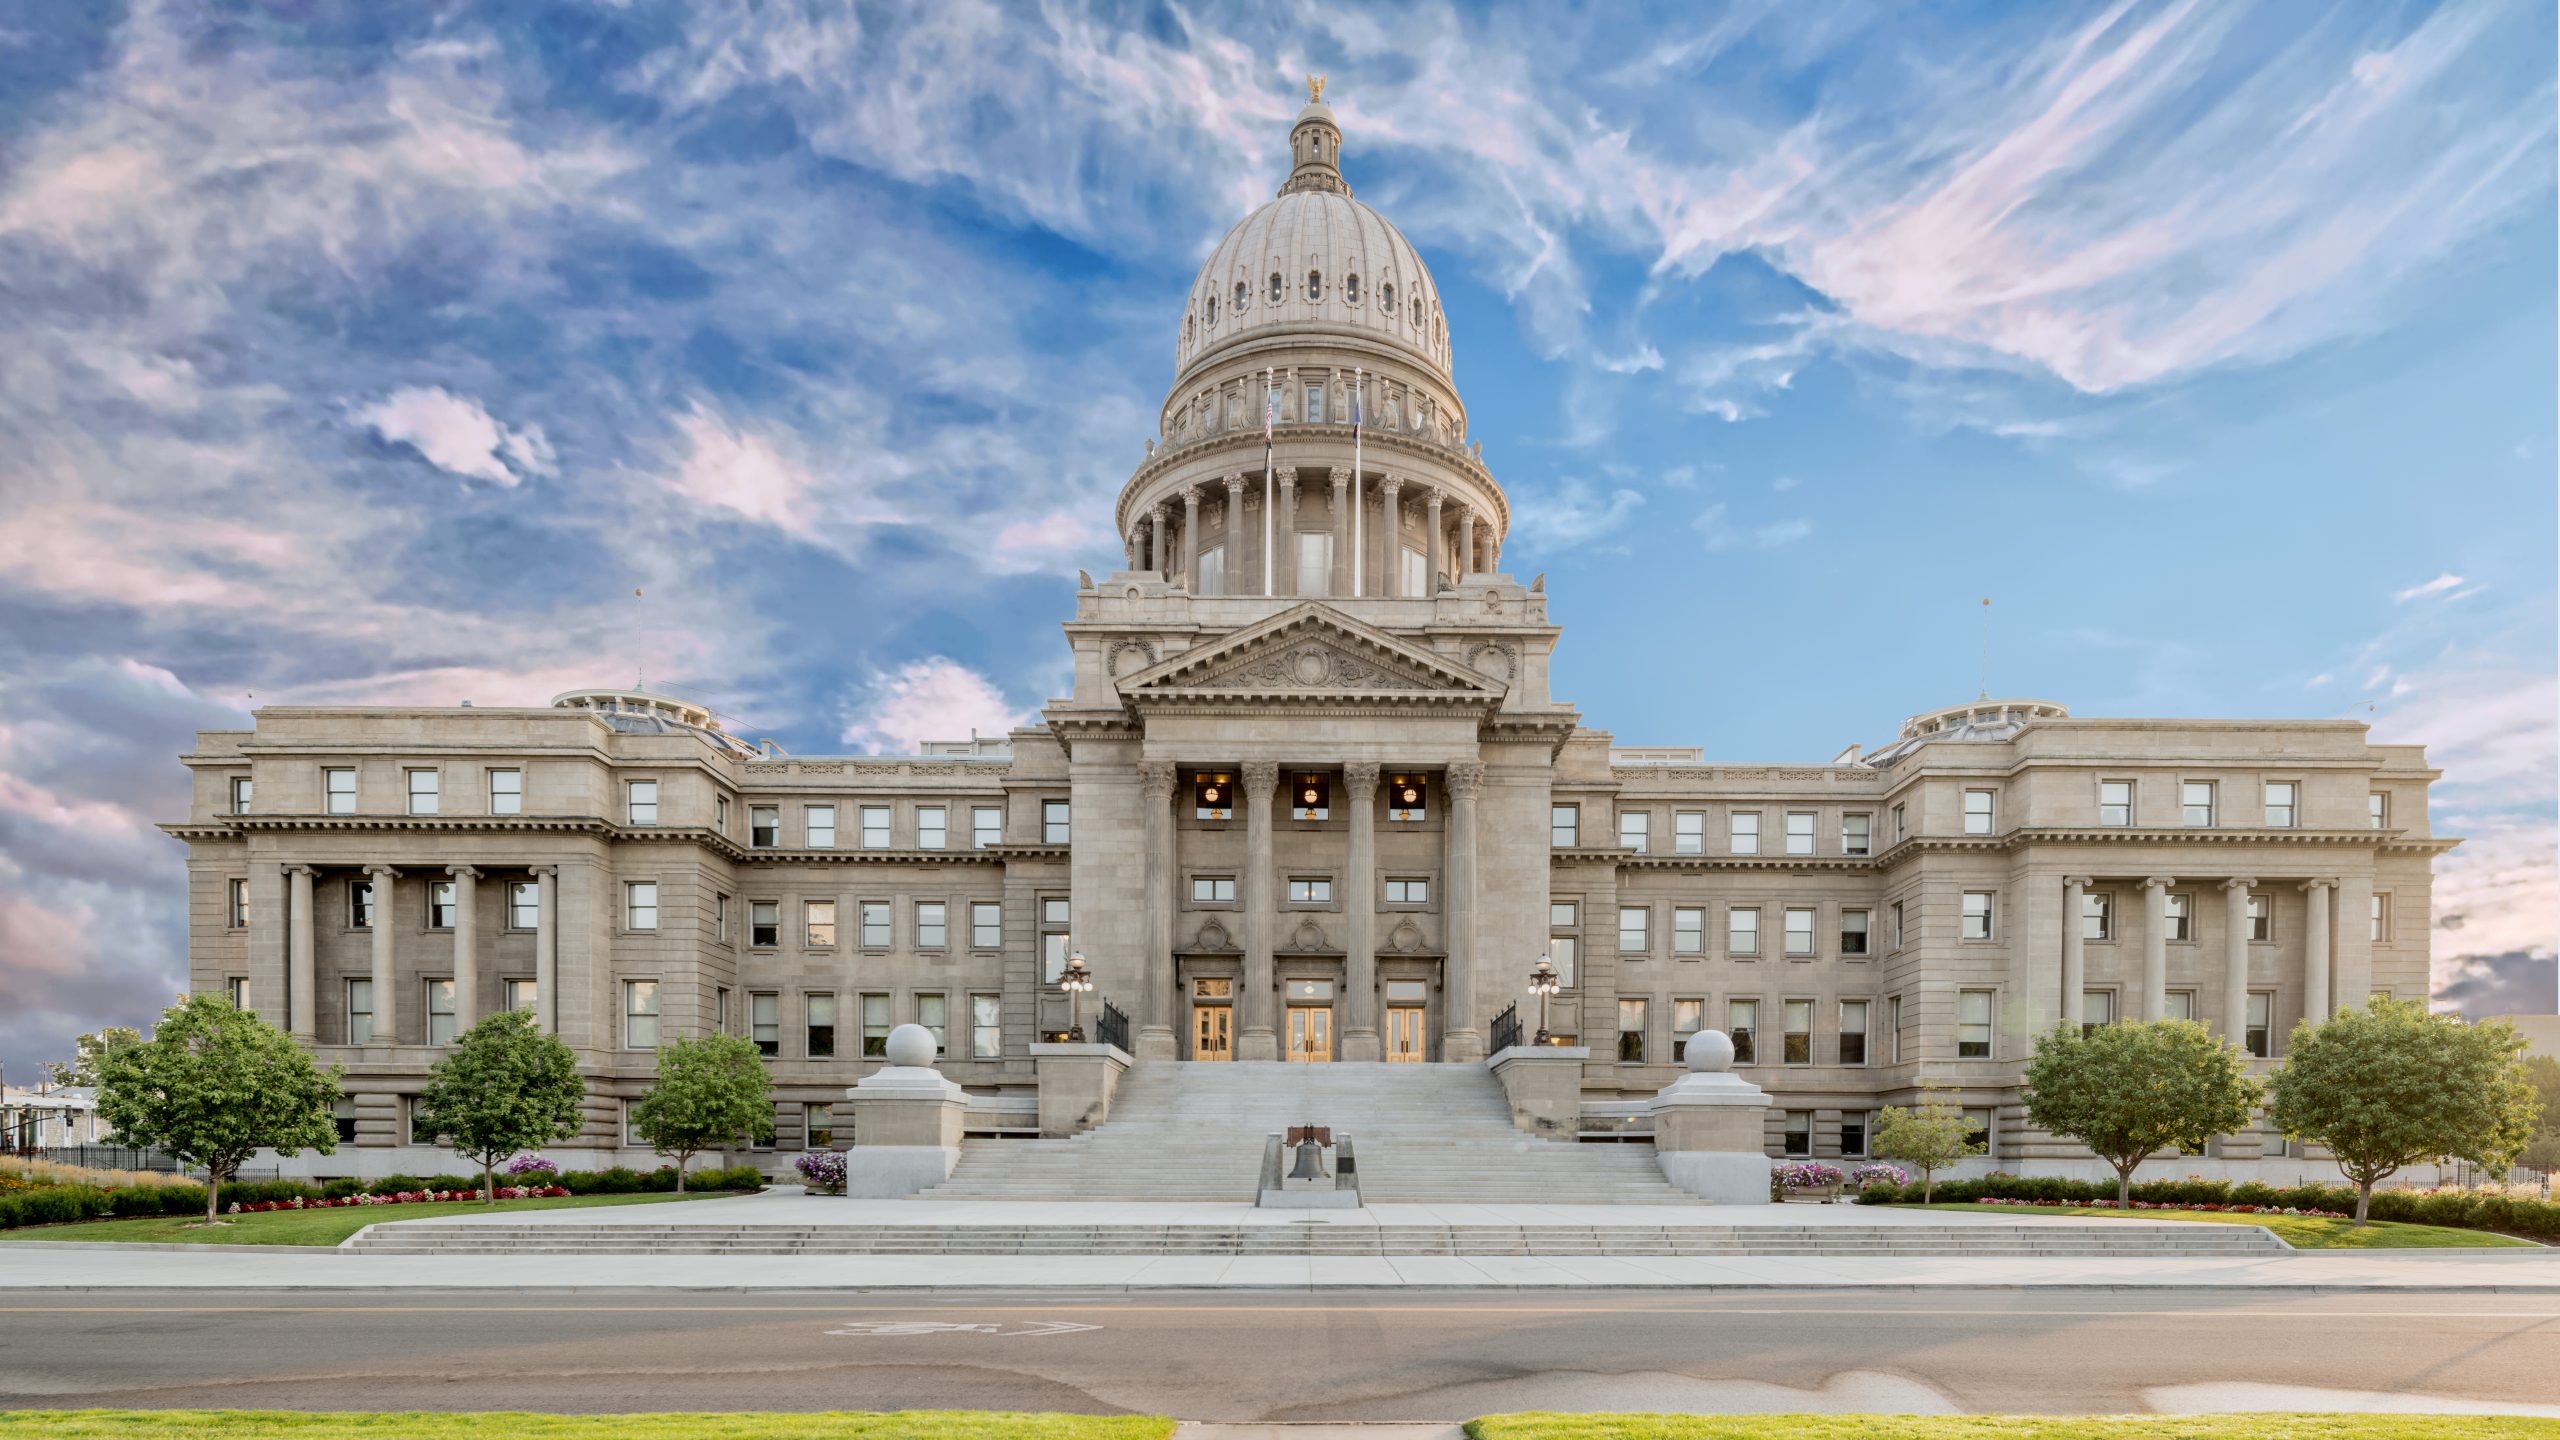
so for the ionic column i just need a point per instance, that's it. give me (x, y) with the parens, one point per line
(1258, 1032)
(1460, 1037)
(2235, 958)
(1431, 552)
(386, 970)
(1160, 1005)
(1466, 542)
(466, 947)
(302, 979)
(1360, 932)
(1284, 532)
(2075, 973)
(546, 949)
(1191, 539)
(2316, 1004)
(1234, 583)
(2155, 946)
(1340, 582)
(1391, 524)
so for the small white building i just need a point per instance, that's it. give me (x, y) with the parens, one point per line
(48, 1117)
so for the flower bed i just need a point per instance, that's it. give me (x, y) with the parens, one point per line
(2483, 1209)
(1878, 1173)
(1806, 1179)
(524, 1166)
(2169, 1205)
(403, 1197)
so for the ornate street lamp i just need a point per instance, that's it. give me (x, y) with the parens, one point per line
(1076, 981)
(1543, 983)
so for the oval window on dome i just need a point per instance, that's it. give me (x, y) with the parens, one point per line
(1351, 289)
(1387, 297)
(1240, 296)
(1279, 288)
(1315, 284)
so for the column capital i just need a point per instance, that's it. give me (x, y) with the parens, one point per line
(1193, 494)
(1390, 485)
(2078, 882)
(387, 872)
(1235, 487)
(1433, 496)
(311, 870)
(2159, 882)
(2240, 882)
(543, 871)
(1163, 512)
(1156, 778)
(1341, 477)
(1259, 777)
(1466, 779)
(463, 872)
(2309, 886)
(1360, 779)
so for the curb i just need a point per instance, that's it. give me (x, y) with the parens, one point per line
(1296, 1287)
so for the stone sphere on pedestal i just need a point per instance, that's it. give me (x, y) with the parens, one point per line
(913, 1045)
(1708, 1051)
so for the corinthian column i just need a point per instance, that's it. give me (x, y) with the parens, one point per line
(1258, 1036)
(386, 969)
(1340, 582)
(1160, 1008)
(466, 947)
(1237, 556)
(1461, 1035)
(546, 949)
(1466, 543)
(1162, 543)
(2316, 1005)
(302, 982)
(1431, 553)
(1391, 526)
(1191, 539)
(2075, 973)
(2235, 959)
(1284, 531)
(2155, 946)
(1360, 932)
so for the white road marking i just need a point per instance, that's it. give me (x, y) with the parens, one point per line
(999, 1328)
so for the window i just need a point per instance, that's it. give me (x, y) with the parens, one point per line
(1742, 931)
(1315, 562)
(440, 905)
(631, 1135)
(822, 1027)
(2097, 1009)
(1417, 572)
(1853, 1134)
(875, 924)
(1894, 915)
(1800, 832)
(343, 1111)
(1407, 799)
(1387, 297)
(1900, 828)
(818, 924)
(2262, 920)
(240, 794)
(1689, 930)
(641, 897)
(933, 1013)
(339, 788)
(986, 1027)
(2097, 916)
(1631, 1030)
(1053, 822)
(1853, 931)
(359, 1012)
(1562, 945)
(1212, 577)
(1977, 812)
(720, 813)
(640, 1014)
(1315, 284)
(1893, 1028)
(1977, 1129)
(1798, 1038)
(1853, 1032)
(1310, 890)
(1213, 889)
(1977, 915)
(1635, 831)
(1742, 1022)
(764, 827)
(1689, 832)
(2180, 910)
(2280, 804)
(1408, 892)
(818, 827)
(1053, 939)
(1351, 289)
(1743, 830)
(1313, 413)
(875, 1026)
(818, 1125)
(360, 904)
(237, 907)
(1688, 1017)
(1857, 834)
(764, 1021)
(2259, 1033)
(764, 923)
(506, 792)
(1279, 287)
(518, 994)
(875, 827)
(2377, 810)
(986, 925)
(986, 826)
(641, 801)
(933, 929)
(237, 987)
(1973, 1024)
(1564, 826)
(524, 904)
(440, 1014)
(1797, 1132)
(2178, 1005)
(1634, 930)
(1799, 931)
(1310, 797)
(2115, 802)
(2195, 802)
(720, 1014)
(2380, 910)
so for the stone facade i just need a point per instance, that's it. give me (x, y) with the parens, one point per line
(1333, 624)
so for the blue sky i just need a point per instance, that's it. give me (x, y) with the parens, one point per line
(379, 354)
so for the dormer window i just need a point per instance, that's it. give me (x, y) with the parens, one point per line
(1279, 288)
(1240, 296)
(1315, 284)
(1351, 289)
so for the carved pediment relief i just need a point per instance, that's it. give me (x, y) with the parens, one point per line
(1311, 665)
(1309, 936)
(1312, 650)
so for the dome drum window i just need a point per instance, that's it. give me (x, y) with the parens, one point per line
(1351, 289)
(1213, 310)
(1315, 284)
(1417, 314)
(1279, 288)
(1241, 292)
(1387, 297)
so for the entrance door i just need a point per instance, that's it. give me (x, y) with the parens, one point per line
(1310, 1032)
(1213, 1032)
(1404, 1034)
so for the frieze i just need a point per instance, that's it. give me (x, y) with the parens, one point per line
(1310, 667)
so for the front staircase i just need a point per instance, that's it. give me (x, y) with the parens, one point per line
(1421, 1134)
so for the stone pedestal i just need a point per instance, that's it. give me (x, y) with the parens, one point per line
(1544, 1085)
(1708, 1127)
(1076, 1085)
(907, 1121)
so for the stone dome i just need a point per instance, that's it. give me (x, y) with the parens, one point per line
(1314, 260)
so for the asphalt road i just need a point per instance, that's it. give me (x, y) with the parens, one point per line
(1233, 1356)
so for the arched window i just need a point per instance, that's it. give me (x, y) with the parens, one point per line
(1315, 285)
(1186, 329)
(1278, 287)
(1213, 311)
(1351, 289)
(1387, 297)
(1240, 295)
(1417, 314)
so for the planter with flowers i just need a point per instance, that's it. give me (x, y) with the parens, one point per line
(1876, 1172)
(1807, 1180)
(821, 1171)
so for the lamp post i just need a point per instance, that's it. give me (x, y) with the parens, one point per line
(1543, 983)
(1076, 981)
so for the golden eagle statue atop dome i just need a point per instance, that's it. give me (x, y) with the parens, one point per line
(1315, 89)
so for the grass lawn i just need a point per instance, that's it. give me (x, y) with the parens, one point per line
(2009, 1427)
(843, 1425)
(2303, 1232)
(310, 1227)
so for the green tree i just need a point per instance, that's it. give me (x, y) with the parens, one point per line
(710, 1093)
(83, 1068)
(1930, 1138)
(2543, 1150)
(2131, 1091)
(2391, 1085)
(504, 1087)
(212, 1086)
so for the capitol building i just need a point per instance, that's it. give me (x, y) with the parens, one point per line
(1311, 801)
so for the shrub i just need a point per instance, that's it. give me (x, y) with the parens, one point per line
(453, 1182)
(340, 1189)
(661, 1179)
(58, 1204)
(736, 1177)
(395, 1184)
(618, 1180)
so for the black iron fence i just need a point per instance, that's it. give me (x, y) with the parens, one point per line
(1113, 1027)
(1506, 1028)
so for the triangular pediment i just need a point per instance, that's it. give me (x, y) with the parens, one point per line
(1311, 650)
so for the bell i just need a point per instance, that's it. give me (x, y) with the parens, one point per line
(1310, 1164)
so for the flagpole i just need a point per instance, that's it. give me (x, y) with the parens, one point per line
(1359, 545)
(1270, 522)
